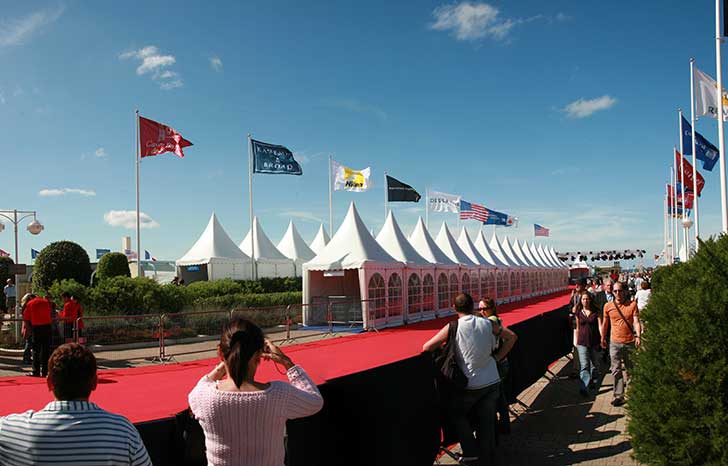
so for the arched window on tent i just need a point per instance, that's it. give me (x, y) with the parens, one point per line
(466, 284)
(443, 292)
(377, 300)
(503, 284)
(428, 293)
(524, 283)
(484, 291)
(394, 295)
(475, 286)
(491, 284)
(454, 289)
(414, 294)
(514, 284)
(534, 282)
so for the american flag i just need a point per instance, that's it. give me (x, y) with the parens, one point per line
(468, 211)
(538, 230)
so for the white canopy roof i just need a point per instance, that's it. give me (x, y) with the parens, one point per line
(423, 243)
(213, 245)
(546, 257)
(561, 263)
(467, 246)
(320, 240)
(351, 248)
(449, 246)
(529, 255)
(481, 244)
(393, 241)
(522, 255)
(498, 251)
(265, 250)
(293, 246)
(506, 247)
(535, 254)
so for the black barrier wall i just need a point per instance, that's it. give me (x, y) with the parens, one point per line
(387, 415)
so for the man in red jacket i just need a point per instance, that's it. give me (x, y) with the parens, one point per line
(37, 320)
(71, 311)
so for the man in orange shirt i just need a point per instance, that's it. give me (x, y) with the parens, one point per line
(71, 312)
(622, 316)
(37, 320)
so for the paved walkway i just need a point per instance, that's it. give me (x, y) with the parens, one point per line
(561, 428)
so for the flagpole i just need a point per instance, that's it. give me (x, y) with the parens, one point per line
(674, 213)
(427, 208)
(682, 184)
(664, 226)
(386, 210)
(331, 201)
(138, 227)
(676, 232)
(695, 174)
(721, 140)
(250, 195)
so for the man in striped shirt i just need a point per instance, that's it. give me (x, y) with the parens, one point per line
(71, 430)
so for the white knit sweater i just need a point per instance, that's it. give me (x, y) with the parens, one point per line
(247, 428)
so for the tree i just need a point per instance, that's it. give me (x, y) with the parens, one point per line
(678, 398)
(58, 261)
(113, 264)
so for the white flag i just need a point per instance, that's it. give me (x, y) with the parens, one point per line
(706, 103)
(348, 179)
(444, 202)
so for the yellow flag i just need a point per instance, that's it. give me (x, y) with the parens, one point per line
(348, 179)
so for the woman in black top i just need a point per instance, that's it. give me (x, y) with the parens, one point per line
(587, 342)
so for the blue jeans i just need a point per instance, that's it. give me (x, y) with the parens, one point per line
(588, 363)
(480, 407)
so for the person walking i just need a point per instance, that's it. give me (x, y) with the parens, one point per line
(244, 419)
(506, 338)
(587, 342)
(10, 297)
(622, 316)
(27, 334)
(69, 315)
(71, 429)
(37, 323)
(643, 295)
(474, 352)
(600, 300)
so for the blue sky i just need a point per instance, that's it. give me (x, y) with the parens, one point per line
(560, 113)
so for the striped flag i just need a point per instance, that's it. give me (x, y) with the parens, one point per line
(538, 230)
(149, 257)
(471, 211)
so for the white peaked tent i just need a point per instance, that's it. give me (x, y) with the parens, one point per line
(214, 256)
(269, 260)
(460, 282)
(478, 280)
(423, 243)
(530, 284)
(555, 256)
(353, 268)
(419, 275)
(504, 276)
(538, 276)
(295, 248)
(519, 281)
(320, 240)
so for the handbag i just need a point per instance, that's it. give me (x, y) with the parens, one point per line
(446, 363)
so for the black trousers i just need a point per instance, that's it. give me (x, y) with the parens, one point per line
(41, 349)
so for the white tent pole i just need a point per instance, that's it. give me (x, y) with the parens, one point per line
(250, 192)
(331, 199)
(695, 169)
(664, 227)
(138, 224)
(719, 97)
(682, 183)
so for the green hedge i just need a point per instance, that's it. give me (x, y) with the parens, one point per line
(59, 261)
(245, 300)
(113, 264)
(678, 398)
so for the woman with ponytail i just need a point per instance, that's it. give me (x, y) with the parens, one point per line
(244, 419)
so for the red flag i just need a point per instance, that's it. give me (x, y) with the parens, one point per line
(689, 198)
(688, 174)
(156, 138)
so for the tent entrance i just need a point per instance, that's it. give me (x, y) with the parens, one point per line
(335, 299)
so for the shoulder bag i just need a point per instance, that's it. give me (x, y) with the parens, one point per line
(446, 363)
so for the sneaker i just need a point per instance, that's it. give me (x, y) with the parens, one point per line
(618, 402)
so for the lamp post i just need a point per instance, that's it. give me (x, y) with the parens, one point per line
(687, 223)
(34, 228)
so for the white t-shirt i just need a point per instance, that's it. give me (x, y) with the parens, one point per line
(474, 351)
(642, 297)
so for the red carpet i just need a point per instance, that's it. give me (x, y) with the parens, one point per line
(156, 392)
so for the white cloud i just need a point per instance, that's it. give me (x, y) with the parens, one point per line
(18, 31)
(471, 21)
(127, 219)
(357, 107)
(63, 191)
(101, 153)
(154, 63)
(216, 63)
(302, 215)
(583, 108)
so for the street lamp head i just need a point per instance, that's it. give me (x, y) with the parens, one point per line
(687, 223)
(35, 227)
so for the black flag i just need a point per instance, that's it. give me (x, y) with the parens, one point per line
(400, 192)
